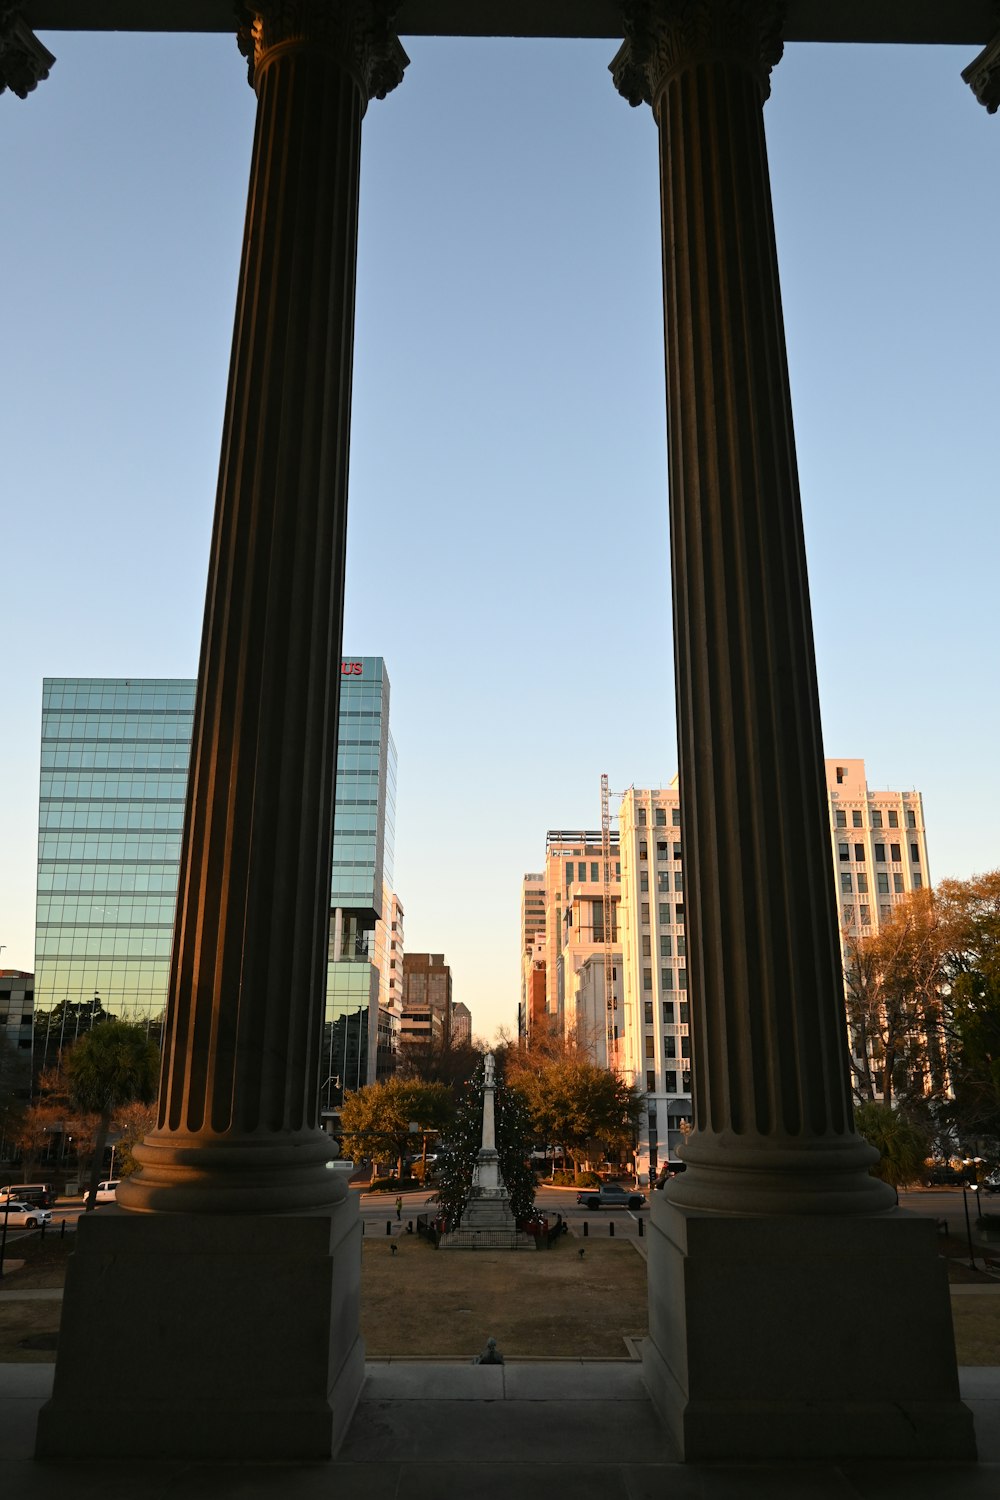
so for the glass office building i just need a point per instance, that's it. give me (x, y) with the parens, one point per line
(113, 783)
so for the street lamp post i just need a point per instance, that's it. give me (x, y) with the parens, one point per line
(976, 1162)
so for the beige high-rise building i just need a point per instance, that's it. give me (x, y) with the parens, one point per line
(573, 932)
(879, 853)
(656, 1047)
(879, 847)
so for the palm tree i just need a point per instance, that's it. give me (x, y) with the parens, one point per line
(112, 1065)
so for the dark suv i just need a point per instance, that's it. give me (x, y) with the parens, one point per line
(610, 1195)
(39, 1193)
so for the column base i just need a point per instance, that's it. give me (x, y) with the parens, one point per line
(208, 1337)
(802, 1338)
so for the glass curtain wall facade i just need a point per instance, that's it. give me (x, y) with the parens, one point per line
(111, 807)
(363, 851)
(114, 764)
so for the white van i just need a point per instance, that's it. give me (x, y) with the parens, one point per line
(106, 1191)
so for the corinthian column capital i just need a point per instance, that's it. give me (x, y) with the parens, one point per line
(983, 76)
(24, 62)
(358, 34)
(662, 37)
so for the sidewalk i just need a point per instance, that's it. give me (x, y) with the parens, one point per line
(431, 1431)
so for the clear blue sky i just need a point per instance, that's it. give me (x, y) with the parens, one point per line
(508, 538)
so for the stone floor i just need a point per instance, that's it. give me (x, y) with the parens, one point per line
(526, 1431)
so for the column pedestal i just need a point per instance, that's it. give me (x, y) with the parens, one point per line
(802, 1338)
(219, 1337)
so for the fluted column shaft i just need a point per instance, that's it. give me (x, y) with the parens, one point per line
(772, 1111)
(237, 1127)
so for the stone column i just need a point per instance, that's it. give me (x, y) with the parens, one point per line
(237, 1127)
(228, 1300)
(773, 1128)
(776, 1233)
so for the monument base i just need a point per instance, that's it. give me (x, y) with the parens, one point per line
(208, 1337)
(807, 1337)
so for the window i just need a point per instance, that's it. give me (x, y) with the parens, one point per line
(676, 817)
(647, 979)
(884, 912)
(856, 817)
(661, 817)
(669, 1046)
(643, 851)
(844, 851)
(918, 880)
(666, 979)
(894, 851)
(642, 817)
(685, 1083)
(841, 775)
(682, 947)
(663, 880)
(893, 818)
(679, 912)
(643, 881)
(618, 869)
(679, 878)
(668, 1012)
(647, 1012)
(661, 849)
(915, 853)
(682, 979)
(644, 916)
(897, 884)
(848, 916)
(595, 872)
(862, 881)
(841, 817)
(664, 913)
(846, 884)
(859, 853)
(883, 885)
(866, 916)
(569, 873)
(646, 949)
(911, 818)
(684, 1012)
(880, 854)
(650, 1047)
(650, 1083)
(685, 1046)
(665, 946)
(670, 1083)
(876, 818)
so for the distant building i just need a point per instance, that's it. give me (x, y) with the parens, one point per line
(114, 763)
(879, 852)
(656, 1050)
(461, 1024)
(879, 847)
(573, 933)
(426, 1005)
(16, 1017)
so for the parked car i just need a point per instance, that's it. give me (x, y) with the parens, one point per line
(611, 1195)
(23, 1215)
(106, 1190)
(942, 1174)
(29, 1192)
(991, 1184)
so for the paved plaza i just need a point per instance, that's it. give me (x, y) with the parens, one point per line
(429, 1431)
